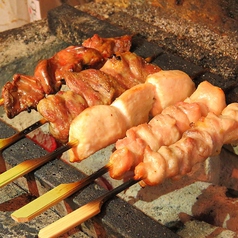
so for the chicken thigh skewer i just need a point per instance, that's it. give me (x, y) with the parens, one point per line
(165, 128)
(205, 138)
(130, 103)
(197, 105)
(89, 87)
(24, 92)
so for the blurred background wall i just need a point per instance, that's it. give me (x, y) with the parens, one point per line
(15, 13)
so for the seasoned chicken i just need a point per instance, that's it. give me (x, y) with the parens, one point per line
(49, 73)
(23, 93)
(164, 129)
(60, 109)
(101, 125)
(109, 46)
(205, 138)
(133, 106)
(94, 85)
(129, 69)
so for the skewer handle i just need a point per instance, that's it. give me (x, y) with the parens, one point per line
(31, 164)
(82, 214)
(4, 143)
(57, 194)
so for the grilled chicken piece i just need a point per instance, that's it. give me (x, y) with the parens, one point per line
(94, 85)
(230, 112)
(50, 72)
(45, 75)
(109, 46)
(171, 86)
(99, 88)
(212, 99)
(23, 93)
(60, 109)
(101, 125)
(165, 128)
(89, 87)
(76, 58)
(93, 128)
(129, 69)
(205, 138)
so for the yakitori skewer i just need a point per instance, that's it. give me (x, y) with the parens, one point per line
(48, 75)
(87, 88)
(191, 112)
(31, 164)
(205, 138)
(82, 214)
(6, 142)
(126, 111)
(57, 194)
(134, 93)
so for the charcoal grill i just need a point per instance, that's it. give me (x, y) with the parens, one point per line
(67, 25)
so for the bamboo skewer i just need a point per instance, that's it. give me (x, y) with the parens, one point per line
(57, 194)
(31, 164)
(6, 142)
(82, 214)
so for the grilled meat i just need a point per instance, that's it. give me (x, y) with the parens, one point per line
(60, 109)
(49, 73)
(165, 128)
(98, 126)
(95, 86)
(109, 46)
(98, 87)
(23, 93)
(101, 125)
(129, 69)
(205, 138)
